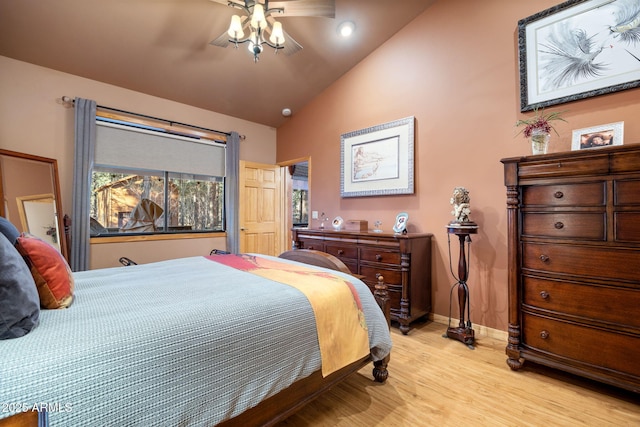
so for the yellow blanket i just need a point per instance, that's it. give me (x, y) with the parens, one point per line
(342, 329)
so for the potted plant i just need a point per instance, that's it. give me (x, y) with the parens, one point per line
(538, 129)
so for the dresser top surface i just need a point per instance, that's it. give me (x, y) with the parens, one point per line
(575, 154)
(369, 234)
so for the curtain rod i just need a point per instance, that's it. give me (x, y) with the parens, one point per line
(68, 100)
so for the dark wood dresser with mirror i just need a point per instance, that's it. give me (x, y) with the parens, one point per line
(404, 260)
(574, 262)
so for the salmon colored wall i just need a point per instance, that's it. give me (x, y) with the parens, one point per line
(34, 121)
(455, 68)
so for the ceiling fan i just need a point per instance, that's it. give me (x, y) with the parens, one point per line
(261, 27)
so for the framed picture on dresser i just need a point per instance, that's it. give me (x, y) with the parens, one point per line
(598, 136)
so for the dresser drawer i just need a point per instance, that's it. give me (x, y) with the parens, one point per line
(597, 164)
(588, 226)
(601, 348)
(625, 192)
(627, 226)
(314, 244)
(342, 251)
(625, 162)
(391, 277)
(377, 255)
(604, 303)
(352, 264)
(588, 261)
(348, 254)
(588, 194)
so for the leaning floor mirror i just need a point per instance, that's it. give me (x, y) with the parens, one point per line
(30, 195)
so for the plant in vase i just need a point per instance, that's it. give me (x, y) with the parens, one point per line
(538, 129)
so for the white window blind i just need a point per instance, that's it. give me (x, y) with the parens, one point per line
(123, 146)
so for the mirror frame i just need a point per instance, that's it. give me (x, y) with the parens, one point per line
(56, 192)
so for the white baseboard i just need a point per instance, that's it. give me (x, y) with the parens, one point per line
(479, 330)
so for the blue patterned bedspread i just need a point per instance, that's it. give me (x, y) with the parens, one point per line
(185, 342)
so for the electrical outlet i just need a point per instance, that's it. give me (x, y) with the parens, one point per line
(314, 214)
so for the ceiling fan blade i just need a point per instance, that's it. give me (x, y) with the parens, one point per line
(221, 41)
(290, 45)
(323, 8)
(226, 2)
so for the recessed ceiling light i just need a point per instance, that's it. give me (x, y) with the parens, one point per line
(345, 29)
(286, 112)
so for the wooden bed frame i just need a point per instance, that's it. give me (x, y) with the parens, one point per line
(293, 398)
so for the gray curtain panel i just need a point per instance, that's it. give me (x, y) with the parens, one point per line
(85, 142)
(232, 168)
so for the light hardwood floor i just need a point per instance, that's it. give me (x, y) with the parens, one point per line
(434, 381)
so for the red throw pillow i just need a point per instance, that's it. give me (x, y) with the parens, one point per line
(50, 271)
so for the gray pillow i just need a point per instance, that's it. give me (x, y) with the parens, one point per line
(19, 300)
(9, 230)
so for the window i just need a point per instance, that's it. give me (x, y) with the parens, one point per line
(145, 181)
(300, 196)
(300, 208)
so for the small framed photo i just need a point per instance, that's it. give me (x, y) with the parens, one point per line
(337, 223)
(598, 136)
(401, 223)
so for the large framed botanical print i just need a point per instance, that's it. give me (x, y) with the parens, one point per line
(578, 49)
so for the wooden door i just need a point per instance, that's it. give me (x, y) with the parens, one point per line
(260, 209)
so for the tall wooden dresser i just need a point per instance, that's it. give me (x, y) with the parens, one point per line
(404, 260)
(574, 262)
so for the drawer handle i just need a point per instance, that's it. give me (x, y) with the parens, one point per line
(544, 258)
(559, 225)
(544, 294)
(340, 252)
(558, 194)
(544, 334)
(378, 257)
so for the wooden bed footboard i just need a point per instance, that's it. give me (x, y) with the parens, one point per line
(26, 419)
(317, 258)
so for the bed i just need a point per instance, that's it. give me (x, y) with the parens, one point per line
(226, 345)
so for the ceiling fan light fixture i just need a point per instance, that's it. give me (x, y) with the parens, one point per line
(346, 29)
(254, 46)
(235, 28)
(258, 19)
(257, 27)
(277, 34)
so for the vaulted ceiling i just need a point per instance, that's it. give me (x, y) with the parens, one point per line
(161, 48)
